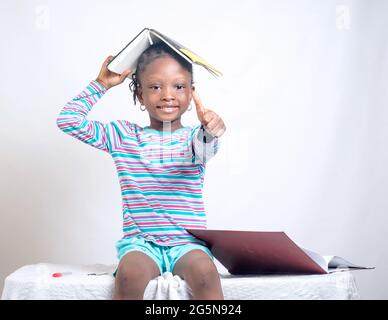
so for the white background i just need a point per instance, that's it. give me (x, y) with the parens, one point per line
(304, 98)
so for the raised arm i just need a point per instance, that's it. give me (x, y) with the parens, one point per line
(72, 119)
(205, 141)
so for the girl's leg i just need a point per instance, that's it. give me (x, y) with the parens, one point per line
(201, 274)
(134, 272)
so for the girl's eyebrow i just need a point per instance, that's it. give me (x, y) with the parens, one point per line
(163, 83)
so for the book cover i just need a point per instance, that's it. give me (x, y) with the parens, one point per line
(263, 252)
(129, 55)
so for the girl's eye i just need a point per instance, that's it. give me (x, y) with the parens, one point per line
(180, 86)
(155, 87)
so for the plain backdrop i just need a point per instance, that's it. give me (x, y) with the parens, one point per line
(304, 98)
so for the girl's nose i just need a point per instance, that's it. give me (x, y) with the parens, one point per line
(167, 94)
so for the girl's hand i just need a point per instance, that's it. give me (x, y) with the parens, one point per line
(211, 121)
(109, 79)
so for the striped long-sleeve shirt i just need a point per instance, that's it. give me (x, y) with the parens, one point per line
(161, 173)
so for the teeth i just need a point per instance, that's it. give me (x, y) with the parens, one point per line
(168, 109)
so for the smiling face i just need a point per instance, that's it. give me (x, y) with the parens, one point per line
(165, 90)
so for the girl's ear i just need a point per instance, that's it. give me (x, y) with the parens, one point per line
(139, 95)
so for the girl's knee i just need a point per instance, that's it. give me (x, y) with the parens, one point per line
(130, 284)
(204, 273)
(204, 280)
(133, 275)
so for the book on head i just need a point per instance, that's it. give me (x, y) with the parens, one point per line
(263, 252)
(129, 55)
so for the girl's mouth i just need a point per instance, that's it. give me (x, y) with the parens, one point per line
(168, 109)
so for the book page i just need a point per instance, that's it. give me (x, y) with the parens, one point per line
(338, 264)
(186, 53)
(332, 263)
(318, 259)
(157, 37)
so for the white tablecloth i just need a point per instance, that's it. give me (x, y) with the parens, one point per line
(89, 282)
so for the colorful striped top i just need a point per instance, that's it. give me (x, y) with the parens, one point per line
(161, 173)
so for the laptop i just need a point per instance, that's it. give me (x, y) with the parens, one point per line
(257, 252)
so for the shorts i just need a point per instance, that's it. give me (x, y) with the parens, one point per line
(164, 256)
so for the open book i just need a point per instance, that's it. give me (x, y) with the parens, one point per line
(258, 252)
(332, 263)
(129, 55)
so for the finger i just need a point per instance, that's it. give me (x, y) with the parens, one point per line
(208, 116)
(125, 74)
(107, 60)
(198, 105)
(220, 132)
(214, 131)
(212, 124)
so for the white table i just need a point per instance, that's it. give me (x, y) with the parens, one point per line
(36, 282)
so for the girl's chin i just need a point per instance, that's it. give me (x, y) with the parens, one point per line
(167, 118)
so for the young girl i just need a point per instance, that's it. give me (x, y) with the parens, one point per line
(160, 169)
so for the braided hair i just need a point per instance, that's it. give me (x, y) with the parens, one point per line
(152, 53)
